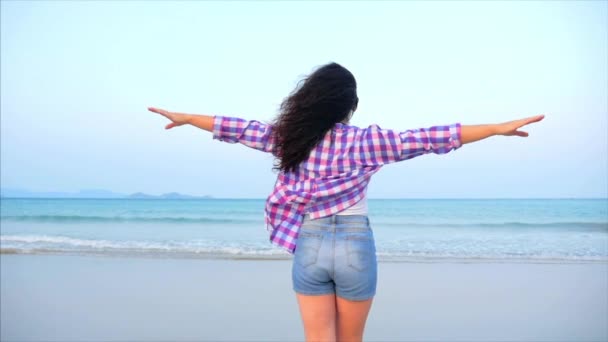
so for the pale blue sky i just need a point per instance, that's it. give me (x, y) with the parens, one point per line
(77, 77)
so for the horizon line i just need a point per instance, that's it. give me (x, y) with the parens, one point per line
(263, 198)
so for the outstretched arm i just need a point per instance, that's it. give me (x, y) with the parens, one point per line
(472, 133)
(382, 146)
(251, 133)
(204, 122)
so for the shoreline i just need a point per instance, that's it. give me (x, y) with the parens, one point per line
(283, 257)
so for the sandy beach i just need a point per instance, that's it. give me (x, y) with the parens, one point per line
(83, 298)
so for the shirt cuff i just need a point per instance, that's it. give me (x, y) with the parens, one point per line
(455, 135)
(217, 127)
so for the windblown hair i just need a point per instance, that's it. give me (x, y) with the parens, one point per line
(320, 100)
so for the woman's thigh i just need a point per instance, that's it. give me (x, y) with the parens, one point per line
(318, 314)
(351, 318)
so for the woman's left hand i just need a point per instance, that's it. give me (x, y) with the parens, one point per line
(177, 119)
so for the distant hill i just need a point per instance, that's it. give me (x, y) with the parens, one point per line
(90, 193)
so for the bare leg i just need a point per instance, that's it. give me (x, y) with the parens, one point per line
(319, 317)
(351, 318)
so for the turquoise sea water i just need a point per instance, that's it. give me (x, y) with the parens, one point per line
(543, 230)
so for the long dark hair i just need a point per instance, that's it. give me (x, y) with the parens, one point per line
(320, 100)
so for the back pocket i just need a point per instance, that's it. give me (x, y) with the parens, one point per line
(307, 248)
(360, 251)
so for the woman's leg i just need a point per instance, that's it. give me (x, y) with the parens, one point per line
(319, 317)
(356, 275)
(351, 318)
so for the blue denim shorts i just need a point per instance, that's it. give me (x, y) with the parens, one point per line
(336, 254)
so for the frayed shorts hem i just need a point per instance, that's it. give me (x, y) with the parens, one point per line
(307, 293)
(358, 299)
(355, 299)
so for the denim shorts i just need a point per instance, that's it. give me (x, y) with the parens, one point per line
(336, 254)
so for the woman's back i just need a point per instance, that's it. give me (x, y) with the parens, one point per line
(337, 170)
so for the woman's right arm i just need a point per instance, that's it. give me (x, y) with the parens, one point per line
(204, 122)
(472, 133)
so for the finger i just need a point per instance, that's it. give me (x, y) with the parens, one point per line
(171, 125)
(157, 110)
(535, 118)
(521, 133)
(529, 120)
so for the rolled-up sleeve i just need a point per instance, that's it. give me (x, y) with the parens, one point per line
(383, 146)
(251, 133)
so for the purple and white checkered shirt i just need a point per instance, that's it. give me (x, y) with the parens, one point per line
(337, 171)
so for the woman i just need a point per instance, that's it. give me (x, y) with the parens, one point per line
(318, 208)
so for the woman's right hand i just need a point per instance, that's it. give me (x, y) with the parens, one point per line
(510, 127)
(472, 133)
(177, 119)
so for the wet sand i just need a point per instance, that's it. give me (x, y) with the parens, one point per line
(78, 298)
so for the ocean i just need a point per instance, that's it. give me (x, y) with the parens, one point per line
(405, 230)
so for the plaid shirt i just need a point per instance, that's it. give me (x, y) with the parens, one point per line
(337, 171)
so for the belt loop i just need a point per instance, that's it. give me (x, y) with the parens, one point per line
(333, 219)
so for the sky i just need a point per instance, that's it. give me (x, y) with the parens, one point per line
(76, 79)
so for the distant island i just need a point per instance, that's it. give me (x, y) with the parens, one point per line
(170, 195)
(92, 193)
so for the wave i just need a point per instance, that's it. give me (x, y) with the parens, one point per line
(29, 243)
(260, 220)
(572, 224)
(44, 244)
(114, 219)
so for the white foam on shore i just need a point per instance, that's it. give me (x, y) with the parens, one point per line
(43, 244)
